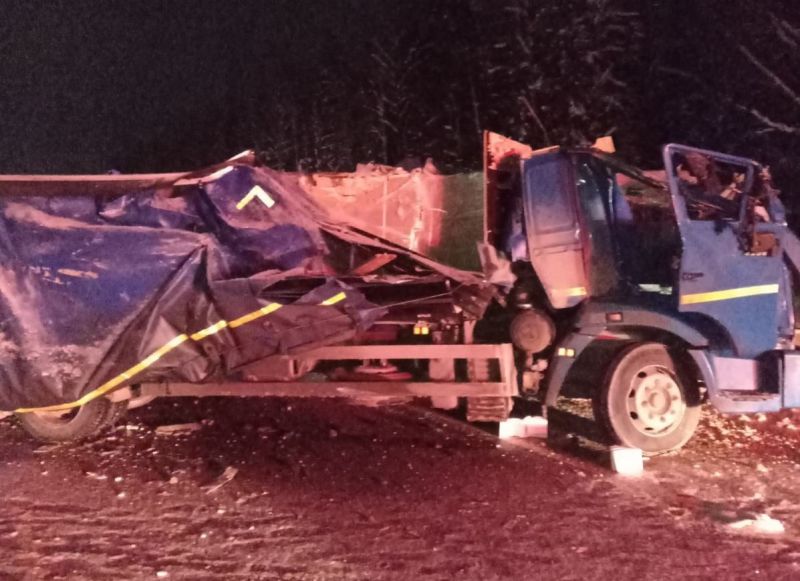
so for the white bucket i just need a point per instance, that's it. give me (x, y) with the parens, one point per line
(511, 428)
(535, 426)
(627, 461)
(527, 427)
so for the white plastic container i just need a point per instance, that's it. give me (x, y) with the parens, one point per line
(527, 427)
(511, 428)
(627, 461)
(535, 426)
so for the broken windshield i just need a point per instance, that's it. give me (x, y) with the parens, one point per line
(644, 229)
(712, 188)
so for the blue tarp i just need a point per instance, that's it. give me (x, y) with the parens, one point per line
(94, 283)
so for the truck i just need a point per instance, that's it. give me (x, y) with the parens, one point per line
(658, 291)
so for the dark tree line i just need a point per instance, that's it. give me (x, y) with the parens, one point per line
(90, 86)
(424, 79)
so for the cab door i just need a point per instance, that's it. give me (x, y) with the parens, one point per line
(553, 227)
(720, 277)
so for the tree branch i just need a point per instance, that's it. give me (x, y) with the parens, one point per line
(793, 95)
(786, 32)
(772, 124)
(529, 106)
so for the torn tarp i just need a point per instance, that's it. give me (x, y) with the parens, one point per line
(186, 278)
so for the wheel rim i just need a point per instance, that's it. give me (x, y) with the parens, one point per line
(655, 401)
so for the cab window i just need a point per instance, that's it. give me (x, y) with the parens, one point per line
(646, 229)
(712, 189)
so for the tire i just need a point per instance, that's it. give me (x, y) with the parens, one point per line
(84, 422)
(648, 401)
(116, 413)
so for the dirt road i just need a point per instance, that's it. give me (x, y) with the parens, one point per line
(327, 490)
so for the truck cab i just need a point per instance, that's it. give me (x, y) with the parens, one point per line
(681, 277)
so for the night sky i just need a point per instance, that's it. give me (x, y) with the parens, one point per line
(146, 86)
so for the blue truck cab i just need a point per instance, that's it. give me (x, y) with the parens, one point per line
(681, 278)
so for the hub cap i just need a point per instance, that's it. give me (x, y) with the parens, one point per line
(655, 401)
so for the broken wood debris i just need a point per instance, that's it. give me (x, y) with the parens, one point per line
(177, 429)
(227, 475)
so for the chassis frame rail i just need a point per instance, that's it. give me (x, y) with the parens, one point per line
(503, 353)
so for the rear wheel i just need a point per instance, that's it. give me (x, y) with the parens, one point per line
(648, 401)
(75, 424)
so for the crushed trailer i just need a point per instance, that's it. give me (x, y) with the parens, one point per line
(657, 294)
(225, 281)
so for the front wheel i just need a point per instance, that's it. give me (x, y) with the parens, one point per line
(647, 401)
(75, 424)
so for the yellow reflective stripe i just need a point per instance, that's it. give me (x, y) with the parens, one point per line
(215, 328)
(334, 299)
(114, 382)
(577, 291)
(734, 293)
(156, 355)
(270, 308)
(256, 192)
(128, 374)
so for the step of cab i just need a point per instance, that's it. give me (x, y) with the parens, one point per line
(768, 383)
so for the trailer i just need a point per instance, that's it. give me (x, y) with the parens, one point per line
(232, 281)
(225, 281)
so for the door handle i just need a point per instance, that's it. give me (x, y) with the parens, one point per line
(692, 275)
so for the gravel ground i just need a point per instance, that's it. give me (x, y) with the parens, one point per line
(288, 489)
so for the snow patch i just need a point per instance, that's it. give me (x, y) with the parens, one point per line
(763, 523)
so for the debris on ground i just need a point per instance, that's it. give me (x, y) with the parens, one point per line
(227, 475)
(763, 523)
(305, 505)
(46, 449)
(177, 429)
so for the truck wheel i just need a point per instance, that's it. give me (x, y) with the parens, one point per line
(647, 401)
(72, 425)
